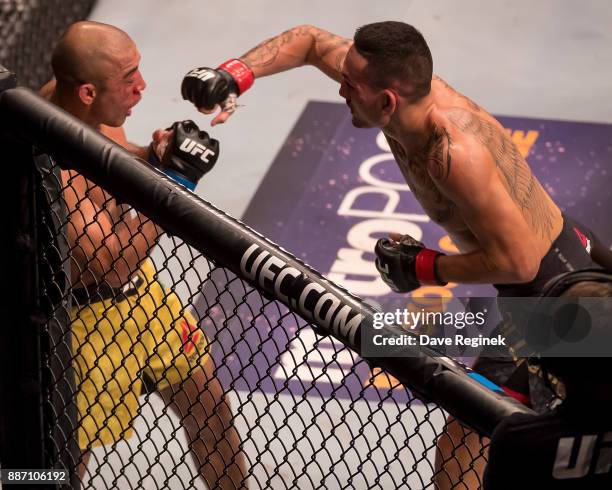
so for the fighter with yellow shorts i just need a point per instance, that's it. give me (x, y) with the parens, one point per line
(140, 331)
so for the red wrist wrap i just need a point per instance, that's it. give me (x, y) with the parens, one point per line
(240, 72)
(425, 266)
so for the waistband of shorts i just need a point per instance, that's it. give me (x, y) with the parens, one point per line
(567, 237)
(533, 287)
(103, 292)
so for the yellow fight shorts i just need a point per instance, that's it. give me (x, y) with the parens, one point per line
(146, 332)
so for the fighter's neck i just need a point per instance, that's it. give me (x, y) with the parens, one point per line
(74, 107)
(411, 127)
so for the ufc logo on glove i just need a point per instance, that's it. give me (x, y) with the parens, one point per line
(203, 74)
(190, 154)
(193, 148)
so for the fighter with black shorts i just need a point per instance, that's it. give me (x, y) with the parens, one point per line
(460, 163)
(569, 447)
(569, 252)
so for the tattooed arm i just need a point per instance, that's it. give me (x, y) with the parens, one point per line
(301, 45)
(211, 89)
(464, 171)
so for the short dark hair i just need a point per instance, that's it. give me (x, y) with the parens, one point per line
(396, 52)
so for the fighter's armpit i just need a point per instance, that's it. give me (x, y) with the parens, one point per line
(459, 166)
(440, 158)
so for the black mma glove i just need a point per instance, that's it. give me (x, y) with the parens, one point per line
(407, 266)
(190, 154)
(207, 87)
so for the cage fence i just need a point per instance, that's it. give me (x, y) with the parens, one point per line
(308, 412)
(29, 29)
(196, 356)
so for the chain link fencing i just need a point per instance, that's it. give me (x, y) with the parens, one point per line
(29, 29)
(203, 355)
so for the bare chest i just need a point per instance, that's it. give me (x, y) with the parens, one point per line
(435, 204)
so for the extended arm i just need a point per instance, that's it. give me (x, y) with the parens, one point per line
(210, 88)
(301, 45)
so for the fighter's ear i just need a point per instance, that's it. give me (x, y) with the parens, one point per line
(388, 102)
(87, 93)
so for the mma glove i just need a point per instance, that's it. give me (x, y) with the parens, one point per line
(208, 87)
(190, 154)
(406, 266)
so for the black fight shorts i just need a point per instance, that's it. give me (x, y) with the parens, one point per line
(570, 251)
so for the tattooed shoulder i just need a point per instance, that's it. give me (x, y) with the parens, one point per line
(516, 174)
(470, 103)
(443, 82)
(466, 121)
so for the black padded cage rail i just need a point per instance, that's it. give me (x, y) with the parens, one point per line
(256, 303)
(29, 29)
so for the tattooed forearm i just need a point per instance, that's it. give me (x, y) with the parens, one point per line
(261, 55)
(520, 182)
(266, 52)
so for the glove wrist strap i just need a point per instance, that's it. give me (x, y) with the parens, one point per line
(240, 72)
(152, 157)
(425, 267)
(180, 179)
